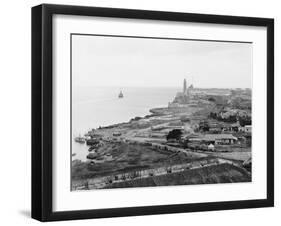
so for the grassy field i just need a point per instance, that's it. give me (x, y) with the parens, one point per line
(124, 158)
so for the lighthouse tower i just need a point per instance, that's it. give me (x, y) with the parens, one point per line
(185, 98)
(184, 87)
(182, 98)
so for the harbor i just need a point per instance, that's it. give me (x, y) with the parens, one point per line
(196, 125)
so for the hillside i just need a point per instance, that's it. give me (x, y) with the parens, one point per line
(224, 173)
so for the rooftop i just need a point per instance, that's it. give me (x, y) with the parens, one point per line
(212, 137)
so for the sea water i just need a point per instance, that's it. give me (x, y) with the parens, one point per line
(100, 106)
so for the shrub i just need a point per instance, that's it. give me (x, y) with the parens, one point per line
(174, 134)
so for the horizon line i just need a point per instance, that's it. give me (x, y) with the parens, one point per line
(126, 86)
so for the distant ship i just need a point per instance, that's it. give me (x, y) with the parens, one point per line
(80, 139)
(120, 95)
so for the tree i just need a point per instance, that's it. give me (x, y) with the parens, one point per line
(185, 143)
(245, 120)
(123, 177)
(174, 134)
(213, 115)
(204, 126)
(212, 99)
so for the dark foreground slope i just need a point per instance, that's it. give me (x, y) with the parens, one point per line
(224, 173)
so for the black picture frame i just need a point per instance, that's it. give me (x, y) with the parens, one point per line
(42, 106)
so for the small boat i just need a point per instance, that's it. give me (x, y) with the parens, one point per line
(120, 94)
(79, 139)
(92, 156)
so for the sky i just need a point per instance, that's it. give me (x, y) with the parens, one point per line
(144, 62)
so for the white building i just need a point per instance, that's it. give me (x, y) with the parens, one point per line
(248, 129)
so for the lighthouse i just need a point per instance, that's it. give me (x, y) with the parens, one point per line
(182, 98)
(184, 87)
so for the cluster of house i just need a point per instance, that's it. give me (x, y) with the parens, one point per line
(220, 127)
(221, 135)
(209, 141)
(227, 112)
(214, 139)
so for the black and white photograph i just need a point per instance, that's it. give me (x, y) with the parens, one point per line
(152, 111)
(140, 112)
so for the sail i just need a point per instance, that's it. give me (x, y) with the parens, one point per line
(121, 94)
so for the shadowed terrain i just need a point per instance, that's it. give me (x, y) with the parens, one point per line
(224, 173)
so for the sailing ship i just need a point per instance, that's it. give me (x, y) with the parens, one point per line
(120, 94)
(79, 139)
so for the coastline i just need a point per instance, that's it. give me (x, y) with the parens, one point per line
(139, 148)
